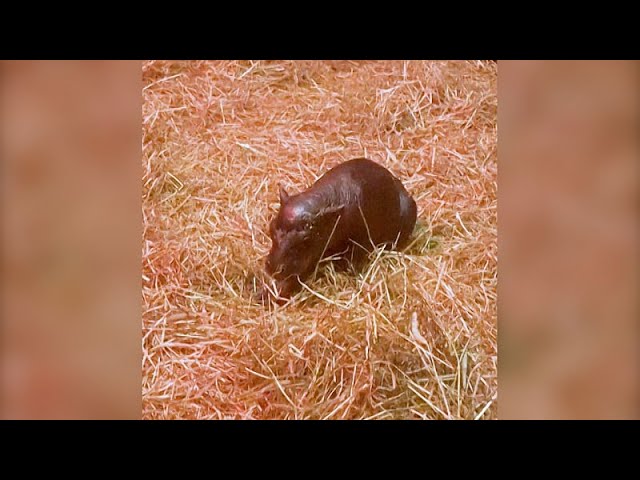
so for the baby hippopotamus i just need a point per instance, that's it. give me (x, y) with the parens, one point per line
(353, 208)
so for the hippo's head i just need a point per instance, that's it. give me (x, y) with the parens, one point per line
(299, 235)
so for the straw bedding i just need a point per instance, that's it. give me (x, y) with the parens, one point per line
(413, 336)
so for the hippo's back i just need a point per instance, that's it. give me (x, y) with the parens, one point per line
(377, 206)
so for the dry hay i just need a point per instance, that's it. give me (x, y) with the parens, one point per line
(412, 337)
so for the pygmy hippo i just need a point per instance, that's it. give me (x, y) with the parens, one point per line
(351, 209)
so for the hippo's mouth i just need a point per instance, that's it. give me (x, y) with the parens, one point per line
(286, 287)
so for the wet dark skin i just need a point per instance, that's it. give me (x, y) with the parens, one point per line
(353, 208)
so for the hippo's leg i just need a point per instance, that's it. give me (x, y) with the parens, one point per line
(409, 215)
(358, 257)
(349, 259)
(342, 260)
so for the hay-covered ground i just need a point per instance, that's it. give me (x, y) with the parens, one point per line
(412, 337)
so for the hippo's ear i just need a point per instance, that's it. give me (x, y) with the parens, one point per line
(284, 196)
